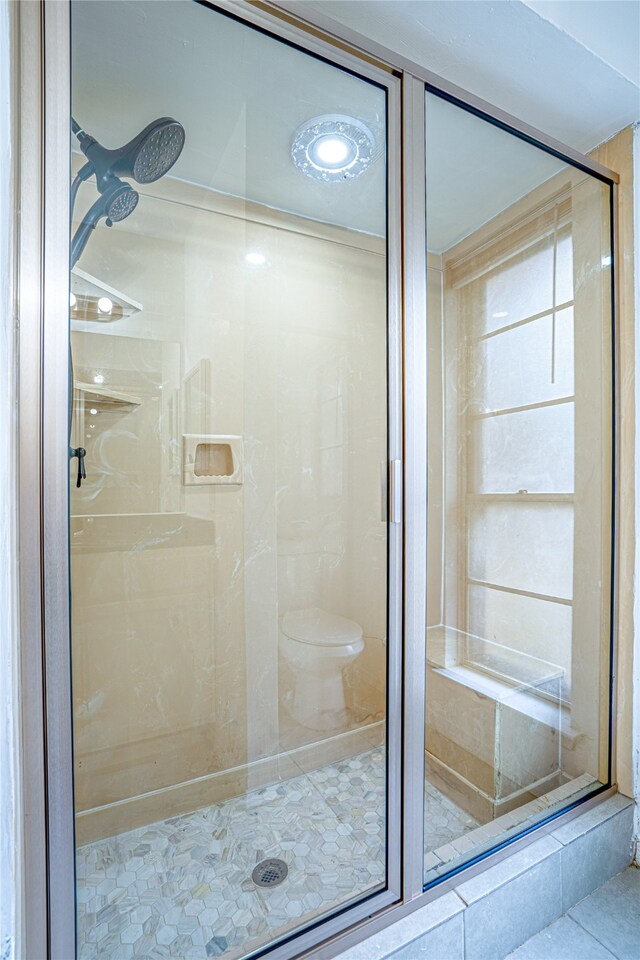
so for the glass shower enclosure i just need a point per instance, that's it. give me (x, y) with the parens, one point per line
(231, 543)
(341, 482)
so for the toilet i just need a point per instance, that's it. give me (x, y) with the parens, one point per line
(318, 646)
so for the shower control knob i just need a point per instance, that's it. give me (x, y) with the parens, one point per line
(80, 453)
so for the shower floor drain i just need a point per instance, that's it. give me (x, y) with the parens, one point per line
(269, 873)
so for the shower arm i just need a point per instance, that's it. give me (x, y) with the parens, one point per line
(83, 174)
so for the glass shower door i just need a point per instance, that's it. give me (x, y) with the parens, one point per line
(230, 542)
(520, 471)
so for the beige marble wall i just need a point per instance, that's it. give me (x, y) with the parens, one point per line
(179, 591)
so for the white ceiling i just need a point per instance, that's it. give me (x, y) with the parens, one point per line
(611, 30)
(241, 96)
(510, 54)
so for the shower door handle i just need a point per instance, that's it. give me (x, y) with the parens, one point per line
(395, 491)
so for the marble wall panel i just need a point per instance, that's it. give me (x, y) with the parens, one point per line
(177, 673)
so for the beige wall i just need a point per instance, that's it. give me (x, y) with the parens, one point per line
(179, 591)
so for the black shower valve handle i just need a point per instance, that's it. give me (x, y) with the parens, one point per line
(80, 453)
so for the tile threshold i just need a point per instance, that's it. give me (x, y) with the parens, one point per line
(602, 926)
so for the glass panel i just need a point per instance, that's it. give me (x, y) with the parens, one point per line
(228, 552)
(528, 452)
(525, 546)
(505, 623)
(520, 289)
(519, 473)
(538, 357)
(526, 285)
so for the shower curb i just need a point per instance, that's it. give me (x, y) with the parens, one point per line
(493, 913)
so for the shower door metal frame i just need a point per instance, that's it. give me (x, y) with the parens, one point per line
(43, 288)
(46, 40)
(42, 50)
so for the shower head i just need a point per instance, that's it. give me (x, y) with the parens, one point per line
(116, 203)
(144, 159)
(119, 202)
(156, 149)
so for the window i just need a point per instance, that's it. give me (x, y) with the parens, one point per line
(517, 407)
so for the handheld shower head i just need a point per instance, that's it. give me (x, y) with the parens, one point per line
(118, 201)
(144, 159)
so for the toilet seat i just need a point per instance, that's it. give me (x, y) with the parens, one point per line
(319, 628)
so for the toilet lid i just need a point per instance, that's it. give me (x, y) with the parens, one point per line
(314, 625)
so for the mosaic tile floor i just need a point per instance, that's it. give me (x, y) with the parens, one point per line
(182, 887)
(444, 821)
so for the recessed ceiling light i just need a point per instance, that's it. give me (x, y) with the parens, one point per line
(332, 152)
(256, 259)
(500, 314)
(333, 148)
(98, 378)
